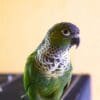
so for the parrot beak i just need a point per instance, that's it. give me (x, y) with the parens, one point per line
(75, 40)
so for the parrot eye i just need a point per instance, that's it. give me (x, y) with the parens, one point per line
(65, 32)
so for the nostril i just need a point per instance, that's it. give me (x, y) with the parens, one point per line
(77, 32)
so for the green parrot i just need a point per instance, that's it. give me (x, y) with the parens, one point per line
(48, 69)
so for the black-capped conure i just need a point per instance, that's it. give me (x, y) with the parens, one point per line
(48, 69)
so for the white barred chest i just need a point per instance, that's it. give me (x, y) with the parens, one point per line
(53, 62)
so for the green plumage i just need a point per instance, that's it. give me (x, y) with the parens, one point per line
(38, 84)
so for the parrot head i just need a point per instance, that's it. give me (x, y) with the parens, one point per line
(64, 34)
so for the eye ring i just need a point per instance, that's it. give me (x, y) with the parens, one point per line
(65, 32)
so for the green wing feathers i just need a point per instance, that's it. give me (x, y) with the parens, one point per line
(40, 87)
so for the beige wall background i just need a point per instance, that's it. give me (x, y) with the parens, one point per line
(24, 23)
